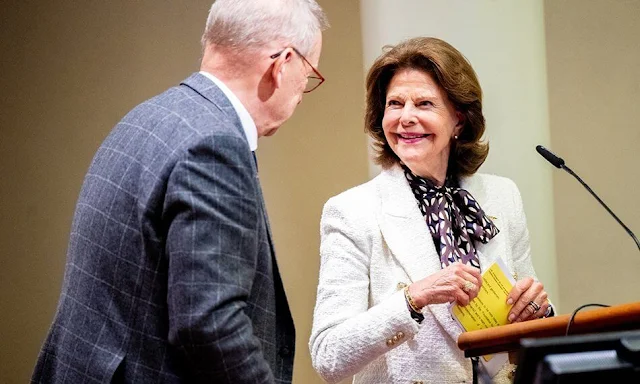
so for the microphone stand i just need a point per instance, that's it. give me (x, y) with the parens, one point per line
(558, 162)
(568, 170)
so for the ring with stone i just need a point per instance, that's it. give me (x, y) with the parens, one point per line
(468, 286)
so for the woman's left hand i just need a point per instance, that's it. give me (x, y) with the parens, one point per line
(523, 294)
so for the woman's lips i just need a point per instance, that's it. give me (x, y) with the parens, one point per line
(411, 138)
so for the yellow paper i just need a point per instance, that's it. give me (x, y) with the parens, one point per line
(489, 308)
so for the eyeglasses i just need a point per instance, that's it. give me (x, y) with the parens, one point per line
(314, 80)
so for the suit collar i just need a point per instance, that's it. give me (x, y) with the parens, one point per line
(218, 101)
(248, 125)
(212, 93)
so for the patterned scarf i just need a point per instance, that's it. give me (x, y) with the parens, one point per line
(454, 218)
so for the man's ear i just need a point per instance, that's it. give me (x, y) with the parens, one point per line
(280, 65)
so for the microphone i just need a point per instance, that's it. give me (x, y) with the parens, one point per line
(550, 157)
(558, 162)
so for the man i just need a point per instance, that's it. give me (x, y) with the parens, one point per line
(171, 274)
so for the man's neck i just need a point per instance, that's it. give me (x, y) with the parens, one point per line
(242, 78)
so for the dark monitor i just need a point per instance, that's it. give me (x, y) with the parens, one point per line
(612, 357)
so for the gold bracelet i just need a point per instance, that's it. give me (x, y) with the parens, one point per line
(412, 303)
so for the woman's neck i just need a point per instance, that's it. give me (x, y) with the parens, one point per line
(437, 178)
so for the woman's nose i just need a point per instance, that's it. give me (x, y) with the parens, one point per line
(408, 116)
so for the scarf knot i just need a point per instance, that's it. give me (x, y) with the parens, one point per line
(454, 218)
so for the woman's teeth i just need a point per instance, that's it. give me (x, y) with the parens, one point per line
(408, 136)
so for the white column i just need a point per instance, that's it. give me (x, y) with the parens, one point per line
(505, 43)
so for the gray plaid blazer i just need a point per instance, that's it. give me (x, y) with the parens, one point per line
(171, 275)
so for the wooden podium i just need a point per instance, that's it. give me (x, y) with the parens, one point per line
(506, 338)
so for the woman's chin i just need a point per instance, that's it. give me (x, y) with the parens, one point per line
(416, 165)
(414, 158)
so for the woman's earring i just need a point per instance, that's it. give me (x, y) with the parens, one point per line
(455, 137)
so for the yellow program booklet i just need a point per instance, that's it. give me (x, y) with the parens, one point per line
(488, 309)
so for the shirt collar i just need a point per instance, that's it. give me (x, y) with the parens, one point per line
(248, 125)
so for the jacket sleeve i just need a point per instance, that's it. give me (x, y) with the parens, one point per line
(521, 246)
(347, 333)
(212, 212)
(519, 235)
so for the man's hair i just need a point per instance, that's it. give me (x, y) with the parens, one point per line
(451, 71)
(247, 24)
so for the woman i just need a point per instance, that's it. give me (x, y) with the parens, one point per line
(397, 250)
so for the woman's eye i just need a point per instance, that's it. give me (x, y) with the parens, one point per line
(391, 103)
(425, 103)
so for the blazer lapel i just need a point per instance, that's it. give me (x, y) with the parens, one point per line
(406, 234)
(403, 227)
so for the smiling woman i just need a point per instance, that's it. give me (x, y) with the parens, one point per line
(396, 251)
(420, 122)
(451, 77)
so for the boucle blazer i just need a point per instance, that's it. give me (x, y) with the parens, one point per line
(374, 240)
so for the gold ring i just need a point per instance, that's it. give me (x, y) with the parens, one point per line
(468, 286)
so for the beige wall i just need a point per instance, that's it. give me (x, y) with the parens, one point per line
(70, 72)
(594, 88)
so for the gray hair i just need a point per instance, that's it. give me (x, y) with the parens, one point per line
(241, 24)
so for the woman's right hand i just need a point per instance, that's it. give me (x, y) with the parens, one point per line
(458, 282)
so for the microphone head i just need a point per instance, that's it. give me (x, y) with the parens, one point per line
(550, 157)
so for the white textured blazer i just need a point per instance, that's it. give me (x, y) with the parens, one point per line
(373, 241)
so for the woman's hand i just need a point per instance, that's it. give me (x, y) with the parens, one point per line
(525, 292)
(457, 282)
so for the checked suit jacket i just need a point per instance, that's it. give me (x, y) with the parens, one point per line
(171, 274)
